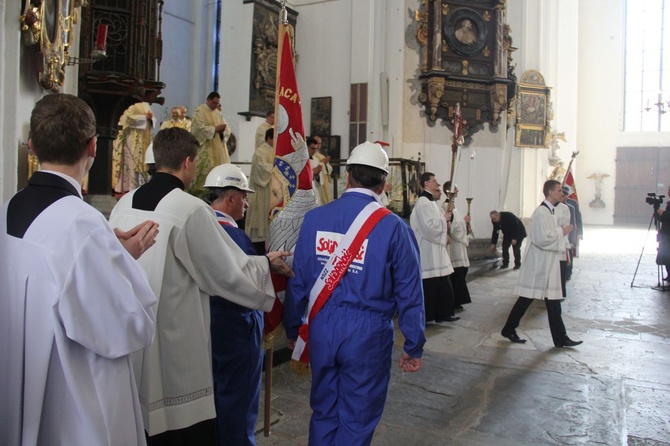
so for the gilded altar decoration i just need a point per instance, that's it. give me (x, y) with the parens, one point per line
(48, 25)
(534, 111)
(465, 59)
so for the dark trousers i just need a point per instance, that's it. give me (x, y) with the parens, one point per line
(506, 243)
(203, 433)
(556, 326)
(564, 276)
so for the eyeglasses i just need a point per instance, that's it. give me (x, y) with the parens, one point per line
(96, 136)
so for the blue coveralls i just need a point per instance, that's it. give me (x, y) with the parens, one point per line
(237, 358)
(351, 338)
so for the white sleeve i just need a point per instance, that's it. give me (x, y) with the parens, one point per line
(429, 222)
(219, 266)
(107, 303)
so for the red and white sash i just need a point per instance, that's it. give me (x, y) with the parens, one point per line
(336, 267)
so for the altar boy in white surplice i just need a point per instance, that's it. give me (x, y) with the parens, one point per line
(74, 304)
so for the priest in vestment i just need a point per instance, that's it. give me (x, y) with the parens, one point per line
(212, 132)
(322, 183)
(128, 169)
(258, 215)
(264, 127)
(177, 119)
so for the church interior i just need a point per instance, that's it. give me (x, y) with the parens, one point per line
(540, 81)
(544, 88)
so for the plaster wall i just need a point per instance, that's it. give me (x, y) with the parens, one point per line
(480, 167)
(19, 91)
(181, 65)
(600, 103)
(324, 68)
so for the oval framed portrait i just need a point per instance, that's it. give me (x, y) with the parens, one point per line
(465, 31)
(50, 9)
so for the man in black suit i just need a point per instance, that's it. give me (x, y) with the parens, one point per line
(513, 234)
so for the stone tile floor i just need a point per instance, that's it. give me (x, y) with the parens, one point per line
(477, 388)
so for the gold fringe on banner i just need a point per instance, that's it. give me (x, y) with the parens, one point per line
(270, 338)
(300, 368)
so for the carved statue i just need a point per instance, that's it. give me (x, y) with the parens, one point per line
(554, 158)
(598, 203)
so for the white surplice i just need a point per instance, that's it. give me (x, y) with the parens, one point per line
(430, 228)
(192, 259)
(74, 306)
(458, 248)
(540, 275)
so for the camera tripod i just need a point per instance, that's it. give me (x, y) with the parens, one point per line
(660, 285)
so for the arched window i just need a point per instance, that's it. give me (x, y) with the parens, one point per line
(647, 66)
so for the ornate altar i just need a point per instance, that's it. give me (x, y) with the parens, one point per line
(129, 73)
(47, 25)
(466, 52)
(534, 111)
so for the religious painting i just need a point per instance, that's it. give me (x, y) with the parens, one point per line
(533, 111)
(264, 46)
(530, 136)
(320, 116)
(330, 146)
(532, 108)
(410, 171)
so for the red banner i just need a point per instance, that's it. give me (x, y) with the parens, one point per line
(288, 124)
(289, 112)
(569, 181)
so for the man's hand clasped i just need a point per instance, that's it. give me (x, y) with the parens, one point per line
(138, 239)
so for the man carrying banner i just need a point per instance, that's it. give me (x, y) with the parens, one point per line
(357, 265)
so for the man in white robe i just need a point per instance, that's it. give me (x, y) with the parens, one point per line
(74, 303)
(212, 132)
(430, 227)
(540, 276)
(193, 259)
(457, 248)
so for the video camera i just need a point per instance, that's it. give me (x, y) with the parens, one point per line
(654, 200)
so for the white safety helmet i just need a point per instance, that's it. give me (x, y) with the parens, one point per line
(369, 154)
(149, 155)
(228, 175)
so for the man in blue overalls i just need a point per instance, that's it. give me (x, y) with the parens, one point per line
(237, 331)
(351, 337)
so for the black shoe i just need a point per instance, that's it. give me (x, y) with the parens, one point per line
(513, 337)
(450, 319)
(567, 342)
(503, 266)
(459, 307)
(517, 266)
(568, 278)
